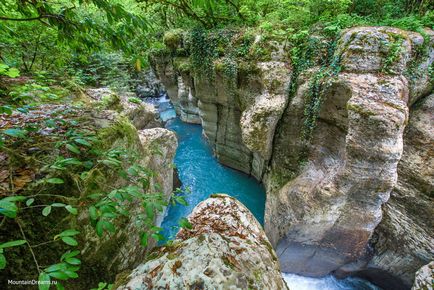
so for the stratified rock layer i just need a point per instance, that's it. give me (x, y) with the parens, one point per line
(238, 112)
(225, 249)
(322, 210)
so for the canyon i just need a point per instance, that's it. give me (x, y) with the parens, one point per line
(343, 149)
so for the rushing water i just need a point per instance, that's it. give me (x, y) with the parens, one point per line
(201, 175)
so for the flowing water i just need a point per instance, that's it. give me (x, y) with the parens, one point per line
(201, 175)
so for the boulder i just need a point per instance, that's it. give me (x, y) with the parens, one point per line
(225, 248)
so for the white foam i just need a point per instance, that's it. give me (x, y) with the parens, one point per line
(296, 282)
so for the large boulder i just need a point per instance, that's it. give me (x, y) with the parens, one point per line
(226, 248)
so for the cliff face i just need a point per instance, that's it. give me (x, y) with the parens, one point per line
(346, 157)
(237, 102)
(323, 220)
(226, 248)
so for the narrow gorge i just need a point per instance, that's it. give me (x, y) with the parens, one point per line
(204, 144)
(334, 146)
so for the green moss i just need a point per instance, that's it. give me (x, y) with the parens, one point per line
(110, 102)
(172, 39)
(359, 109)
(182, 64)
(121, 133)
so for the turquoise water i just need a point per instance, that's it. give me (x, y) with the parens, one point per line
(201, 175)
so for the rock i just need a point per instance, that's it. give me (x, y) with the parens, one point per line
(225, 249)
(258, 122)
(337, 214)
(226, 105)
(411, 202)
(141, 114)
(155, 149)
(328, 208)
(370, 49)
(424, 278)
(160, 147)
(151, 87)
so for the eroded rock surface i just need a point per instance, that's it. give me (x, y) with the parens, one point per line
(322, 210)
(225, 249)
(424, 279)
(238, 112)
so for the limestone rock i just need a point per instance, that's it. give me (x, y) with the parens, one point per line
(225, 249)
(424, 278)
(142, 115)
(160, 147)
(411, 202)
(259, 121)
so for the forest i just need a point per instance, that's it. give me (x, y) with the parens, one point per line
(56, 162)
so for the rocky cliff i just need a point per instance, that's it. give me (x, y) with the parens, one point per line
(238, 102)
(225, 248)
(345, 153)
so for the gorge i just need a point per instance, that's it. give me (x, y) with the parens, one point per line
(217, 144)
(326, 180)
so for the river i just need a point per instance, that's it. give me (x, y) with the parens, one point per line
(201, 175)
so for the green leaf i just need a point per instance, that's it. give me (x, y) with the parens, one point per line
(70, 241)
(71, 274)
(55, 180)
(2, 261)
(67, 233)
(99, 228)
(82, 142)
(59, 275)
(30, 201)
(17, 133)
(184, 223)
(73, 261)
(46, 211)
(14, 198)
(144, 239)
(44, 281)
(12, 244)
(6, 110)
(71, 209)
(73, 148)
(56, 267)
(93, 213)
(59, 286)
(58, 204)
(13, 72)
(69, 254)
(8, 209)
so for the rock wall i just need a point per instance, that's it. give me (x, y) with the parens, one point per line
(226, 248)
(238, 112)
(322, 211)
(346, 158)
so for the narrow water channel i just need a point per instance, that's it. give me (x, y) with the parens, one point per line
(201, 175)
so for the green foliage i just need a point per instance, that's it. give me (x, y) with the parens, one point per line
(11, 72)
(79, 153)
